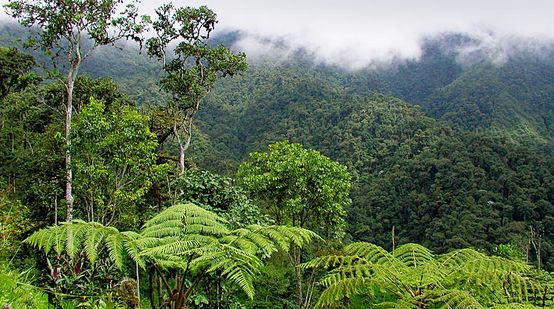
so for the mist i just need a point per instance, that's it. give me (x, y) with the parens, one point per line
(357, 34)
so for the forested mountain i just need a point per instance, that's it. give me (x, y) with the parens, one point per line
(410, 172)
(449, 151)
(470, 92)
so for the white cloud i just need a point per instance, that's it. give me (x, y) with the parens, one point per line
(356, 33)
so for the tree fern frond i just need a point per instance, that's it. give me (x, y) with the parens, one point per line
(515, 306)
(414, 277)
(283, 236)
(171, 247)
(413, 255)
(457, 299)
(333, 261)
(243, 279)
(116, 248)
(339, 291)
(133, 248)
(163, 229)
(75, 236)
(370, 252)
(182, 211)
(94, 238)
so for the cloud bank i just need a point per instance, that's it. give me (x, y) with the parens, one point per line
(356, 34)
(361, 33)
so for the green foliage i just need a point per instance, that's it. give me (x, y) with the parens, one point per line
(299, 187)
(184, 238)
(196, 65)
(412, 276)
(15, 224)
(32, 147)
(507, 101)
(192, 71)
(15, 72)
(218, 194)
(114, 160)
(59, 21)
(16, 291)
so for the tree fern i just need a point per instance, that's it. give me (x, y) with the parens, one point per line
(188, 239)
(416, 277)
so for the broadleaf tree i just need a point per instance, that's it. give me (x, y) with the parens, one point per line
(115, 161)
(61, 27)
(299, 187)
(191, 69)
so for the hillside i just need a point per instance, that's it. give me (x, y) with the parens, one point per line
(482, 177)
(434, 184)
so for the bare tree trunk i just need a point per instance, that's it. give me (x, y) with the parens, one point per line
(74, 63)
(67, 133)
(183, 143)
(536, 241)
(181, 158)
(56, 210)
(298, 275)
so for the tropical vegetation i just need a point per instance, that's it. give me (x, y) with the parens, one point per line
(181, 177)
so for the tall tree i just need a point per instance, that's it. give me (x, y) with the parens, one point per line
(114, 161)
(60, 27)
(194, 67)
(302, 188)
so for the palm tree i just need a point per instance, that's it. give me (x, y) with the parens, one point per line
(180, 247)
(411, 276)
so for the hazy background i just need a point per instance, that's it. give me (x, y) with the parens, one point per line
(358, 33)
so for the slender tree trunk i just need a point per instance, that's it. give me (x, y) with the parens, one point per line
(184, 143)
(67, 133)
(298, 275)
(152, 289)
(74, 63)
(138, 283)
(181, 158)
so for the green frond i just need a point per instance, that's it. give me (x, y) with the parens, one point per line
(93, 241)
(413, 255)
(116, 248)
(366, 271)
(370, 252)
(459, 257)
(163, 229)
(171, 246)
(340, 290)
(243, 279)
(75, 236)
(457, 299)
(515, 306)
(205, 229)
(284, 236)
(412, 275)
(333, 261)
(236, 265)
(133, 248)
(48, 238)
(182, 211)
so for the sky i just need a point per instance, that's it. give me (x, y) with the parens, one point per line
(357, 33)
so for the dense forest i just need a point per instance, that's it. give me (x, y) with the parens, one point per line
(156, 166)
